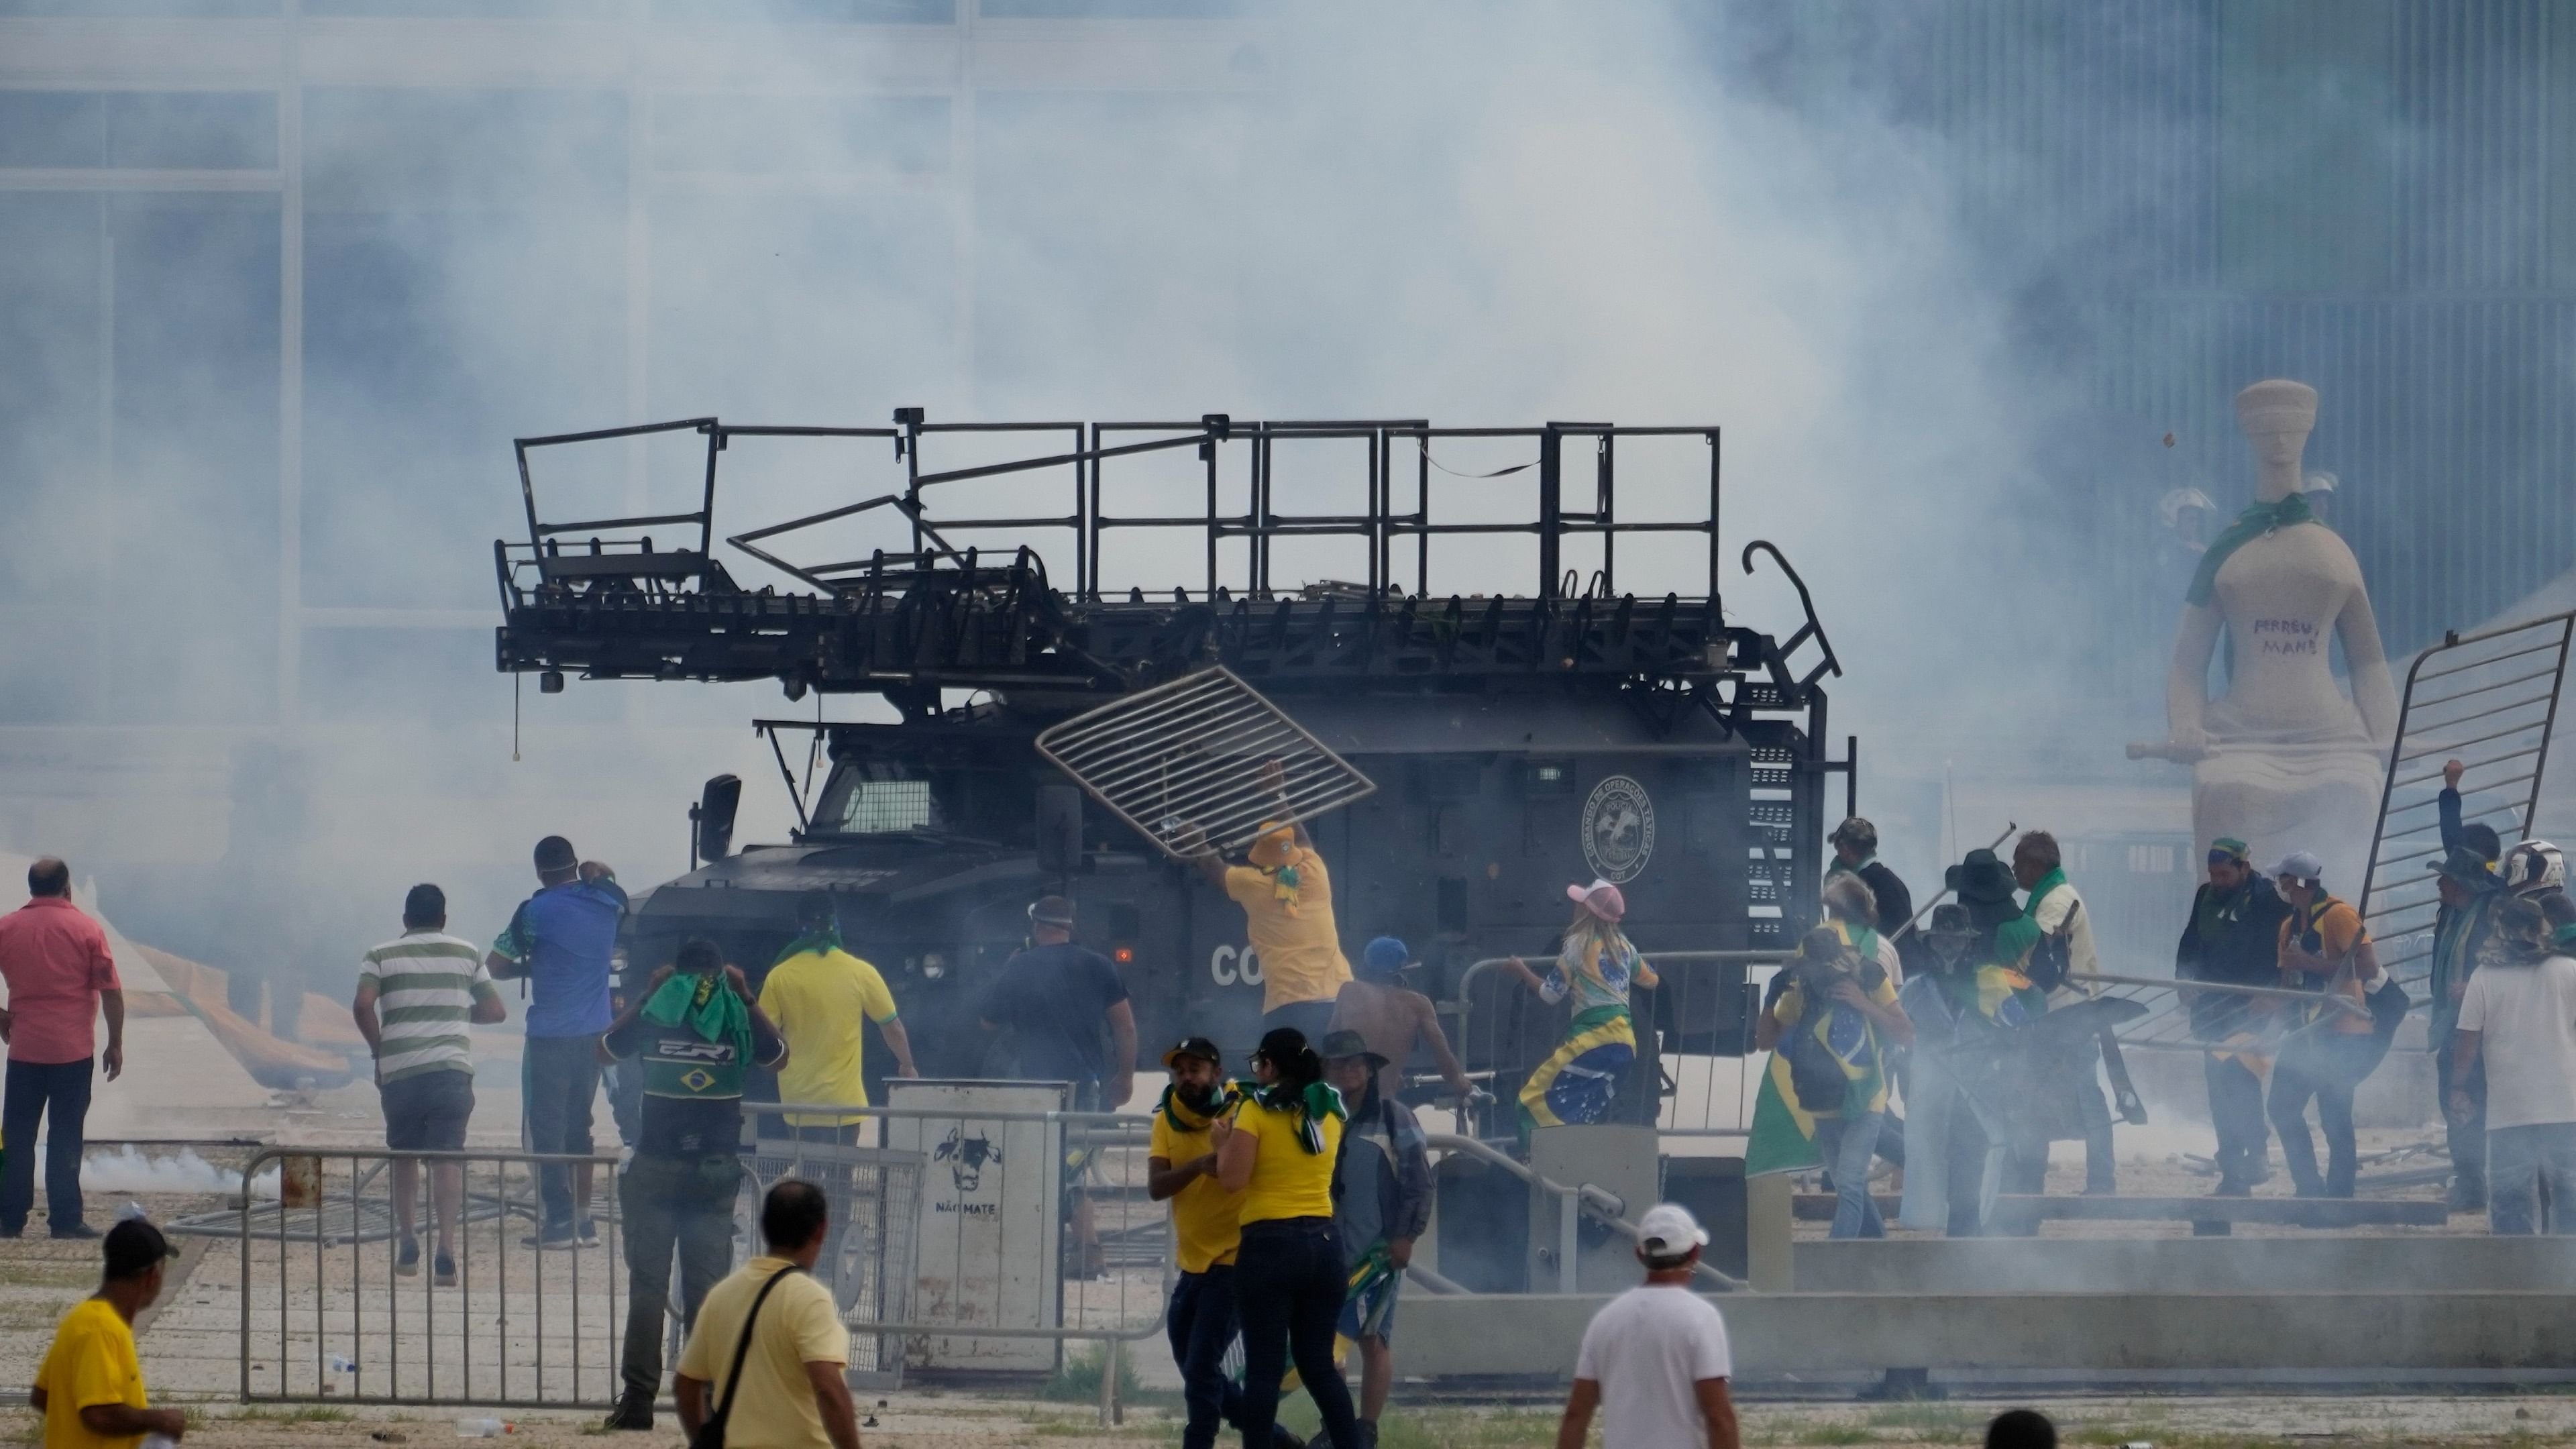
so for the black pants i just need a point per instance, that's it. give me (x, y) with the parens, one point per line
(1288, 1289)
(668, 1204)
(2295, 1079)
(560, 1076)
(2236, 1109)
(35, 1091)
(2468, 1135)
(1963, 1157)
(1201, 1325)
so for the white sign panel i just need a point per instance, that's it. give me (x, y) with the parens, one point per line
(990, 1196)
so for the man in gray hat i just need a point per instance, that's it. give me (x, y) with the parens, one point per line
(1381, 1203)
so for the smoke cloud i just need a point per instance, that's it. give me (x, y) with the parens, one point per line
(1492, 214)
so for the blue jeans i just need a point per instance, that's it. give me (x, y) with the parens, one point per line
(37, 1090)
(1201, 1325)
(1288, 1289)
(1845, 1146)
(559, 1080)
(2518, 1161)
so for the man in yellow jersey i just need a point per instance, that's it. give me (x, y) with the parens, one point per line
(1181, 1170)
(90, 1387)
(1287, 900)
(816, 993)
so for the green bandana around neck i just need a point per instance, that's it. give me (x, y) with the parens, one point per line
(821, 941)
(1318, 1100)
(2015, 938)
(1186, 1118)
(2257, 520)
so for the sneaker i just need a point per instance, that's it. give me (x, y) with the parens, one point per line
(442, 1271)
(407, 1258)
(634, 1411)
(77, 1232)
(590, 1232)
(551, 1239)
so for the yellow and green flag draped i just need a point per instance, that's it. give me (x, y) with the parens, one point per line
(1783, 1137)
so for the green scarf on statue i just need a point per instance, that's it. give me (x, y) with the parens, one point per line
(2257, 520)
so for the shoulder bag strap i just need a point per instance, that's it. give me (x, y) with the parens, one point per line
(741, 1352)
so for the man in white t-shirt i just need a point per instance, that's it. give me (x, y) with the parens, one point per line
(2518, 1014)
(1655, 1360)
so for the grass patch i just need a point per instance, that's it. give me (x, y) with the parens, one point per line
(293, 1414)
(1077, 1379)
(1929, 1421)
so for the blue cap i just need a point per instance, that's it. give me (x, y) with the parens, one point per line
(1385, 956)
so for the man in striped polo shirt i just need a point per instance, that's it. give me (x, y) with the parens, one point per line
(416, 995)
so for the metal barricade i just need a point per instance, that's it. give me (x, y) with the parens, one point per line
(1107, 1272)
(325, 1316)
(872, 1258)
(1693, 1034)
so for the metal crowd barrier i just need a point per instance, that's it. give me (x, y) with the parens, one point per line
(1692, 1030)
(325, 1317)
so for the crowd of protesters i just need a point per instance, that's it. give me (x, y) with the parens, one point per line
(1297, 1193)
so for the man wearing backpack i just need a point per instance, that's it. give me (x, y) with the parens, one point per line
(769, 1355)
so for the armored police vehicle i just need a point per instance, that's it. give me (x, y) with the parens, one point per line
(1536, 727)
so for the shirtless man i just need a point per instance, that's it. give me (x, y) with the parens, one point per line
(1392, 1018)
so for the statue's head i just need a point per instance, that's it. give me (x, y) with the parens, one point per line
(2277, 416)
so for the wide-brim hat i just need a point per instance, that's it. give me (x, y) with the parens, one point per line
(1344, 1044)
(1981, 877)
(1194, 1046)
(2465, 866)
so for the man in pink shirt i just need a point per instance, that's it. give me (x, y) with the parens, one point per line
(56, 963)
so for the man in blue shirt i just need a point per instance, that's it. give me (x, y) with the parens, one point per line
(560, 940)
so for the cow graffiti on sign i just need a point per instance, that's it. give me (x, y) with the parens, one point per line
(966, 1156)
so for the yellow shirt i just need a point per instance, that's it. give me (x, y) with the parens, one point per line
(2340, 932)
(1204, 1224)
(798, 1326)
(1301, 955)
(91, 1362)
(1287, 1180)
(817, 999)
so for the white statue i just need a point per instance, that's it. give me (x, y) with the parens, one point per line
(2285, 760)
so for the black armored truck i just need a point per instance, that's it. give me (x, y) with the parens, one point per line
(1540, 726)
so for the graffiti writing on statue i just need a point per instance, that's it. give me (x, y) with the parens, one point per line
(2287, 636)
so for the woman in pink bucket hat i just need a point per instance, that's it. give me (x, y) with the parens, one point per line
(1596, 965)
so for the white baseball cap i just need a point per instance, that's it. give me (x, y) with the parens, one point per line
(1668, 1230)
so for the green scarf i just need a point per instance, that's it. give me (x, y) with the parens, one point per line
(1838, 868)
(2564, 938)
(2015, 938)
(1186, 1118)
(1318, 1100)
(707, 1005)
(820, 941)
(2257, 520)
